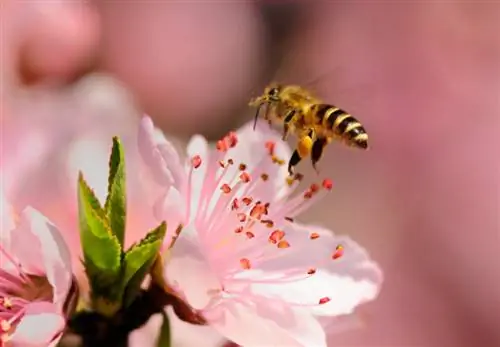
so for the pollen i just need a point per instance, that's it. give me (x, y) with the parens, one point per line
(238, 230)
(324, 300)
(235, 204)
(314, 188)
(221, 146)
(283, 244)
(314, 236)
(230, 161)
(311, 271)
(226, 188)
(276, 236)
(339, 252)
(6, 302)
(264, 177)
(241, 217)
(250, 235)
(289, 219)
(269, 223)
(242, 167)
(246, 200)
(245, 177)
(327, 184)
(5, 325)
(308, 194)
(196, 161)
(270, 146)
(222, 164)
(258, 210)
(245, 263)
(232, 139)
(278, 161)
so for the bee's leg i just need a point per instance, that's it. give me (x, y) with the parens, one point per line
(304, 147)
(286, 123)
(317, 150)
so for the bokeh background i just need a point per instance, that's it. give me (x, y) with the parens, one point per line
(424, 77)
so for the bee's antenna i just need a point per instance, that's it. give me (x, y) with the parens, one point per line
(256, 116)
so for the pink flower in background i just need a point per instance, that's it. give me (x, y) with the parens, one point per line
(241, 261)
(35, 279)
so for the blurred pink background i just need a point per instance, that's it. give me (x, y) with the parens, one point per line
(423, 77)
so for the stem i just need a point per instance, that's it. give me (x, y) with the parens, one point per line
(90, 329)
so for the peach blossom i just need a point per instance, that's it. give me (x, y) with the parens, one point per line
(35, 279)
(241, 262)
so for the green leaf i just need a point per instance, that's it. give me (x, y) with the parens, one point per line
(164, 337)
(138, 260)
(116, 201)
(101, 249)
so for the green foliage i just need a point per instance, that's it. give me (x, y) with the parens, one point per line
(116, 201)
(139, 258)
(115, 276)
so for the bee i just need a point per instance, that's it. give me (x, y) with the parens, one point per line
(313, 122)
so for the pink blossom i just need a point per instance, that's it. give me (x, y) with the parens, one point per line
(35, 279)
(242, 261)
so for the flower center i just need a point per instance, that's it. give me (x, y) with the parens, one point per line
(17, 289)
(233, 200)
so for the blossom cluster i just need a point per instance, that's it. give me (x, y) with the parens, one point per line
(229, 252)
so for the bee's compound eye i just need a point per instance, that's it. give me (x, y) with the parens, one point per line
(274, 92)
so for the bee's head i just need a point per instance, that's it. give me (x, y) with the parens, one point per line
(272, 92)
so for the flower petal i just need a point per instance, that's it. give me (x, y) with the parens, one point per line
(342, 283)
(6, 218)
(255, 322)
(39, 326)
(251, 150)
(42, 251)
(188, 335)
(170, 207)
(159, 154)
(187, 271)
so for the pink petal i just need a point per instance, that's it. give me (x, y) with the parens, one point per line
(147, 335)
(252, 151)
(346, 282)
(256, 322)
(40, 325)
(187, 270)
(6, 218)
(42, 250)
(197, 146)
(170, 207)
(159, 154)
(189, 335)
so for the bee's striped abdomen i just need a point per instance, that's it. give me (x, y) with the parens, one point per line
(343, 125)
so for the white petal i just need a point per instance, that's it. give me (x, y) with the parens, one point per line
(6, 218)
(189, 335)
(159, 154)
(347, 281)
(197, 146)
(170, 207)
(253, 322)
(251, 150)
(147, 335)
(42, 250)
(188, 272)
(39, 326)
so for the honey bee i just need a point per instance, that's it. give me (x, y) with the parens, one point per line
(315, 123)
